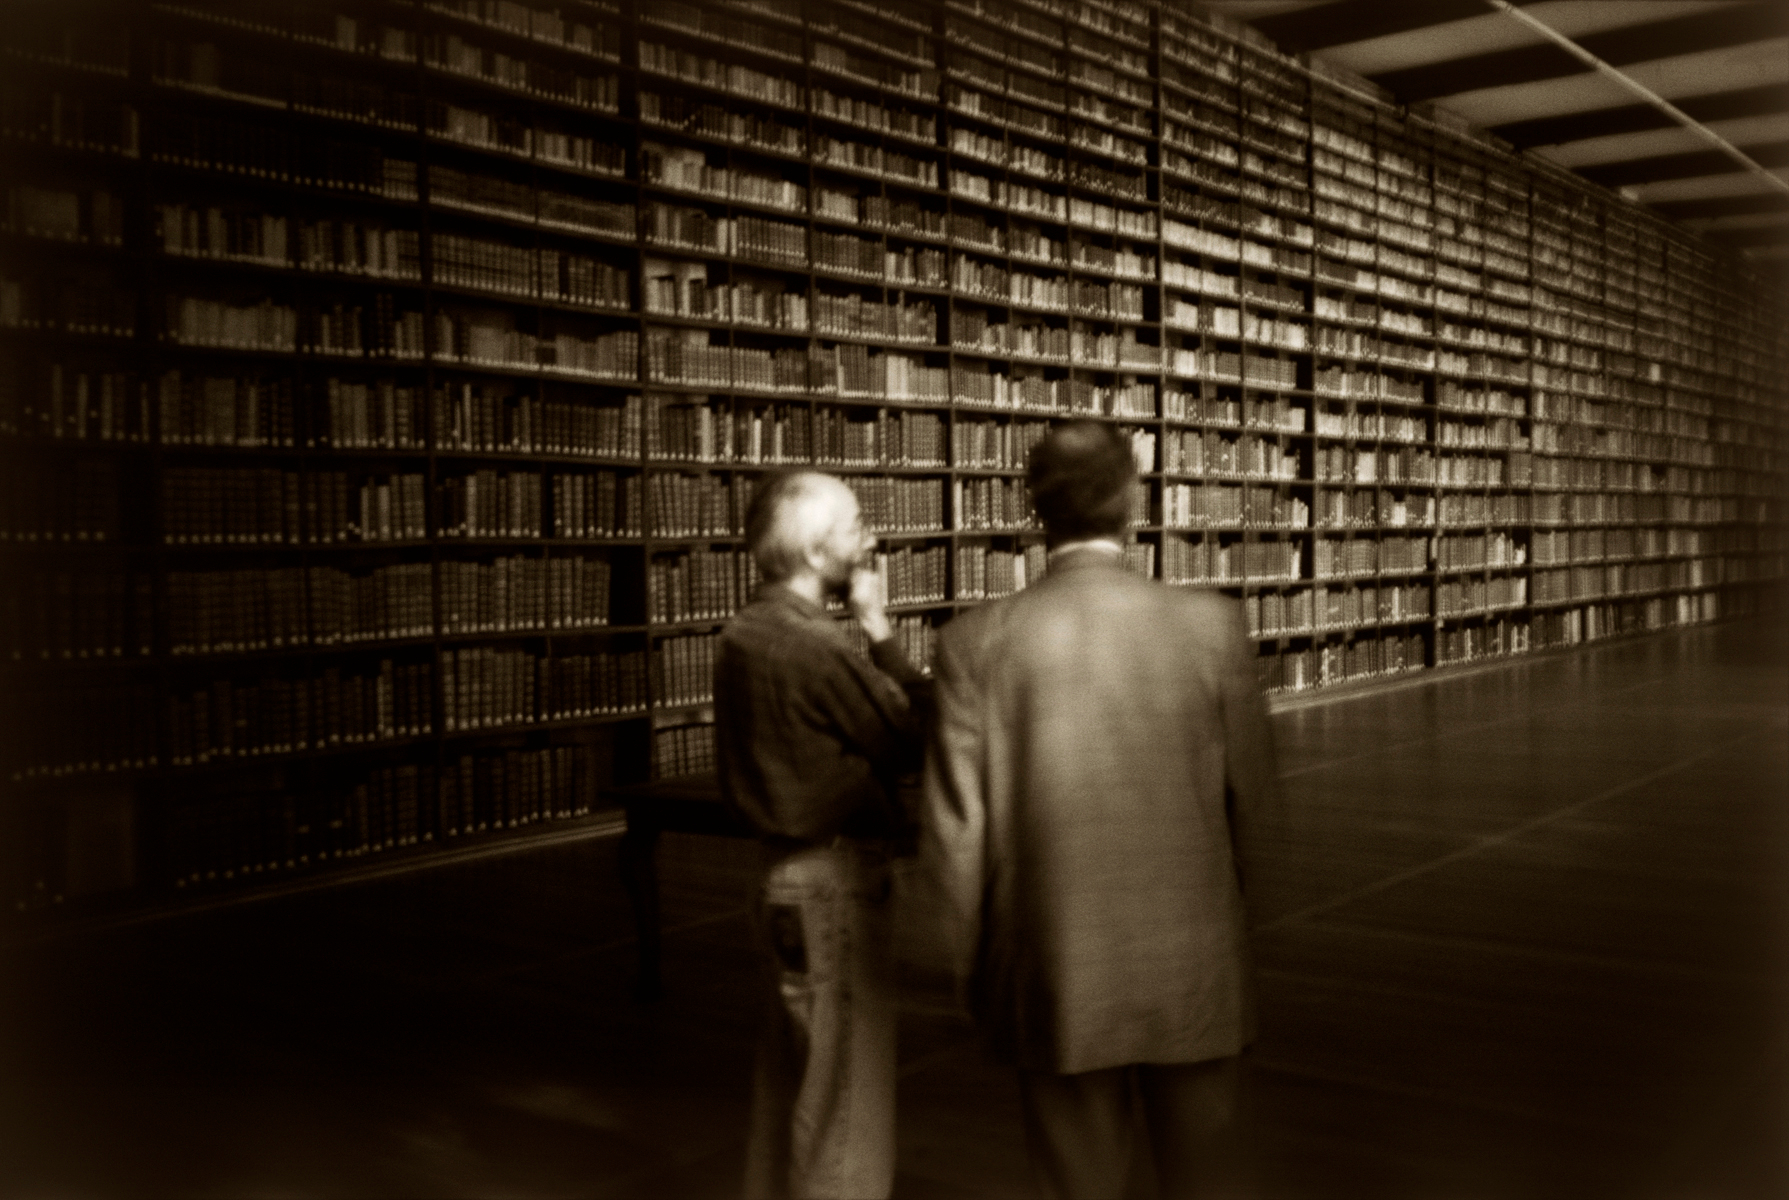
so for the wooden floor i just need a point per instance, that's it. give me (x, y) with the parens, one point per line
(1527, 939)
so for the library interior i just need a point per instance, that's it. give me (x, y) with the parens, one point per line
(383, 388)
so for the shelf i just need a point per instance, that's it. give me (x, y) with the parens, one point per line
(1685, 382)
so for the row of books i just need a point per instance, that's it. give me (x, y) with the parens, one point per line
(249, 505)
(71, 302)
(450, 53)
(1332, 557)
(914, 634)
(548, 143)
(693, 429)
(93, 216)
(69, 120)
(66, 614)
(519, 592)
(1496, 433)
(895, 505)
(1279, 614)
(686, 357)
(992, 504)
(683, 669)
(55, 502)
(698, 505)
(683, 750)
(990, 572)
(482, 416)
(203, 506)
(1371, 509)
(324, 244)
(914, 574)
(506, 197)
(878, 438)
(1392, 465)
(486, 688)
(1026, 390)
(1497, 509)
(1346, 383)
(232, 719)
(83, 729)
(255, 609)
(1217, 506)
(1189, 452)
(1494, 639)
(1592, 545)
(699, 584)
(1587, 508)
(383, 331)
(63, 401)
(97, 614)
(1463, 552)
(694, 115)
(681, 289)
(213, 612)
(1338, 662)
(976, 330)
(1208, 560)
(208, 839)
(1459, 597)
(1620, 579)
(550, 274)
(1387, 604)
(267, 505)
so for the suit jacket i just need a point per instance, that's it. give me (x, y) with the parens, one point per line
(1100, 749)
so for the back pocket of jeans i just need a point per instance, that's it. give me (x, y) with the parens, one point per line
(786, 937)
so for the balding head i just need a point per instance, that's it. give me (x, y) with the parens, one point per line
(804, 519)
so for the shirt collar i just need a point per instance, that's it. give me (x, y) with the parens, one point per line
(782, 593)
(1103, 545)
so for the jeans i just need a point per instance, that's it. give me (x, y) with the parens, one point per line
(823, 1117)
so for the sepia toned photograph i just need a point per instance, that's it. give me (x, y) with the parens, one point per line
(894, 599)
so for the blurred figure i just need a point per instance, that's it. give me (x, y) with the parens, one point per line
(809, 740)
(1101, 749)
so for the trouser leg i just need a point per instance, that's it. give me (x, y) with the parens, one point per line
(823, 1100)
(1191, 1110)
(776, 1076)
(1078, 1131)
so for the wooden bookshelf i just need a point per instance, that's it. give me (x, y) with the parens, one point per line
(382, 385)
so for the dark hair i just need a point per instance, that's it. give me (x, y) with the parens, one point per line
(1081, 477)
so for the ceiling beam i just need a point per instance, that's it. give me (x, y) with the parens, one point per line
(1638, 118)
(1681, 166)
(1617, 47)
(1722, 206)
(1610, 71)
(1343, 21)
(1766, 235)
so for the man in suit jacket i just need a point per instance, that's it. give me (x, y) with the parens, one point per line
(1101, 749)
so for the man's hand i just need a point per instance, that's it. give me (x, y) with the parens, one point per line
(866, 604)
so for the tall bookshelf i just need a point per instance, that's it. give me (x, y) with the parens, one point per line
(383, 384)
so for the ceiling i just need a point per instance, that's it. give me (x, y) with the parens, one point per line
(1723, 62)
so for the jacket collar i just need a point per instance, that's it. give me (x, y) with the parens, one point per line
(1082, 557)
(786, 596)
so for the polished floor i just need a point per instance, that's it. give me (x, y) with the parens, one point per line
(1525, 937)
